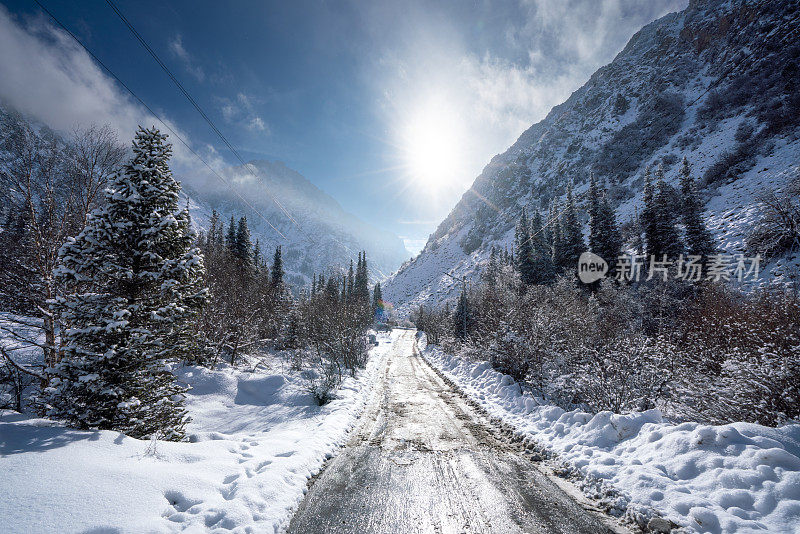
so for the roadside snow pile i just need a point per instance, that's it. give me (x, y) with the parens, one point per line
(729, 478)
(256, 439)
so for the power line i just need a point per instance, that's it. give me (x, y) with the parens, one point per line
(213, 126)
(192, 101)
(157, 117)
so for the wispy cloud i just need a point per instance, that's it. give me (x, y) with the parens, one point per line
(50, 78)
(241, 111)
(493, 69)
(188, 62)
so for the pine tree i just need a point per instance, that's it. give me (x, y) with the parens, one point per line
(350, 281)
(542, 261)
(230, 237)
(698, 238)
(277, 268)
(214, 225)
(257, 260)
(571, 234)
(242, 247)
(649, 217)
(604, 235)
(461, 318)
(660, 218)
(133, 286)
(523, 251)
(556, 237)
(377, 301)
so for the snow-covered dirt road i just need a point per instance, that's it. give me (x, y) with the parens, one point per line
(422, 460)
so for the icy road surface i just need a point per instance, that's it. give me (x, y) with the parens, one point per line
(422, 460)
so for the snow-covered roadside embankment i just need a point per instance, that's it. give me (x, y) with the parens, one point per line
(256, 439)
(727, 478)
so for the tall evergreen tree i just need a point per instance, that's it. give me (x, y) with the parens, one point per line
(134, 284)
(461, 318)
(277, 268)
(350, 281)
(257, 260)
(523, 250)
(242, 247)
(542, 260)
(604, 236)
(492, 268)
(377, 301)
(665, 238)
(698, 238)
(230, 237)
(214, 226)
(573, 244)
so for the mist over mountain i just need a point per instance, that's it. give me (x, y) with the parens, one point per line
(318, 232)
(716, 83)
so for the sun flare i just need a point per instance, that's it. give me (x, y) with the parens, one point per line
(430, 147)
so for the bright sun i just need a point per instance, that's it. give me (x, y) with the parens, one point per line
(430, 147)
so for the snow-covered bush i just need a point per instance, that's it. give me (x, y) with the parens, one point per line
(778, 228)
(696, 351)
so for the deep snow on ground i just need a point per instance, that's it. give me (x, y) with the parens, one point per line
(255, 440)
(738, 477)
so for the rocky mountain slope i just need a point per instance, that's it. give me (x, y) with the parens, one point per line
(717, 83)
(319, 235)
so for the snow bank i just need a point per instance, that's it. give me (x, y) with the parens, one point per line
(738, 477)
(255, 440)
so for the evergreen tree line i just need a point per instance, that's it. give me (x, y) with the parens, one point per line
(251, 301)
(670, 225)
(136, 291)
(697, 350)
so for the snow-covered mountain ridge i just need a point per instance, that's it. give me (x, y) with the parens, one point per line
(321, 236)
(716, 83)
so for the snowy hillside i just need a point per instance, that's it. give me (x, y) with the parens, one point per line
(715, 83)
(256, 437)
(324, 234)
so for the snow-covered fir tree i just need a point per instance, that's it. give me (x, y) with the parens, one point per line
(277, 268)
(543, 268)
(133, 284)
(698, 238)
(604, 235)
(242, 247)
(523, 250)
(659, 219)
(571, 234)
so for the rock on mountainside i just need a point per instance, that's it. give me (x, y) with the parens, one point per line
(718, 83)
(323, 234)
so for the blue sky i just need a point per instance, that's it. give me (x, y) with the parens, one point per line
(393, 108)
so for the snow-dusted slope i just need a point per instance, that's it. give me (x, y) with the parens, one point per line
(716, 82)
(255, 439)
(322, 234)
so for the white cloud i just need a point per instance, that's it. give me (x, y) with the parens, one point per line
(495, 82)
(46, 75)
(179, 51)
(257, 124)
(241, 111)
